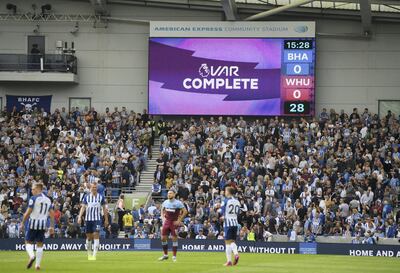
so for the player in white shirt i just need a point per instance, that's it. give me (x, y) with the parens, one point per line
(93, 203)
(230, 211)
(39, 209)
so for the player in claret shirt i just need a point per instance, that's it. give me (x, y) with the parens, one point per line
(172, 213)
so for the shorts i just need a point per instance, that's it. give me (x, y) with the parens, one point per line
(230, 233)
(34, 236)
(93, 226)
(168, 228)
(128, 229)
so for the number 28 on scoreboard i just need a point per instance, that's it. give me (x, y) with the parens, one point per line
(297, 107)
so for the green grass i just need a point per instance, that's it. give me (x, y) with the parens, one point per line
(190, 262)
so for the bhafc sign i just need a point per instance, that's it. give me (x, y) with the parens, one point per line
(28, 102)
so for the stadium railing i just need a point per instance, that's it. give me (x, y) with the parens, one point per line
(39, 62)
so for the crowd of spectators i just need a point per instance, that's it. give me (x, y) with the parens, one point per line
(332, 175)
(67, 151)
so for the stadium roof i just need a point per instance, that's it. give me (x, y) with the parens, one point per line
(378, 10)
(366, 11)
(376, 5)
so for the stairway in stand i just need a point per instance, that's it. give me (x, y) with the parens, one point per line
(147, 176)
(141, 194)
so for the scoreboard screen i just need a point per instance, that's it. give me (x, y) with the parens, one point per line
(231, 76)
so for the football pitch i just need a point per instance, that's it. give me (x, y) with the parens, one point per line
(191, 262)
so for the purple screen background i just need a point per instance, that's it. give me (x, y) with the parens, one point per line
(171, 60)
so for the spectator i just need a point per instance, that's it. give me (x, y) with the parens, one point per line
(156, 189)
(140, 234)
(309, 237)
(324, 116)
(114, 229)
(121, 210)
(13, 229)
(73, 230)
(201, 235)
(369, 240)
(127, 220)
(391, 229)
(251, 236)
(292, 235)
(357, 240)
(367, 198)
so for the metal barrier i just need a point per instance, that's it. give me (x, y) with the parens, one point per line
(39, 62)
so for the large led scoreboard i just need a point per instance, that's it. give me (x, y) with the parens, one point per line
(297, 85)
(232, 68)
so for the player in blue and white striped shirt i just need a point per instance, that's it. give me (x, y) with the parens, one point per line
(94, 204)
(39, 209)
(230, 211)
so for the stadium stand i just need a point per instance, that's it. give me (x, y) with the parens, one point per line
(67, 152)
(297, 179)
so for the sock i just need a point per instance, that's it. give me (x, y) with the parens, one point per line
(174, 248)
(29, 249)
(96, 246)
(228, 252)
(39, 255)
(89, 247)
(234, 249)
(165, 248)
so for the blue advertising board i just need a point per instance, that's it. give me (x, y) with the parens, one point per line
(214, 246)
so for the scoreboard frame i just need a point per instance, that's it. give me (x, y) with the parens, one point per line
(295, 35)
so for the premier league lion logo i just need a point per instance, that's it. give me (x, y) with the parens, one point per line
(204, 71)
